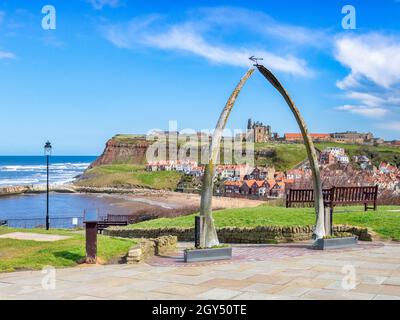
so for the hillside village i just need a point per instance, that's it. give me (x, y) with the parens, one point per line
(337, 168)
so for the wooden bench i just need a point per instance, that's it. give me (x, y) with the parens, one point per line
(101, 225)
(336, 196)
(113, 220)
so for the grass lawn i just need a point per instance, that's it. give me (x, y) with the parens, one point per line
(32, 255)
(382, 221)
(125, 175)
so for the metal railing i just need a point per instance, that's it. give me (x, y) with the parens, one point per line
(55, 223)
(62, 222)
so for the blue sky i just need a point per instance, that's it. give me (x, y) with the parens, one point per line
(121, 66)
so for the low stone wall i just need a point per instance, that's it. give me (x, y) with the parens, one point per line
(150, 247)
(267, 234)
(16, 190)
(7, 191)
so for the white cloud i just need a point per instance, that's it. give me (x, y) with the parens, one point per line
(131, 34)
(373, 56)
(188, 41)
(100, 4)
(366, 98)
(194, 38)
(390, 126)
(264, 25)
(365, 111)
(374, 79)
(7, 55)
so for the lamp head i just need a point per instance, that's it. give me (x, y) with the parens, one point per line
(47, 148)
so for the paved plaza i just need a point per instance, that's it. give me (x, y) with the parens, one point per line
(33, 236)
(289, 271)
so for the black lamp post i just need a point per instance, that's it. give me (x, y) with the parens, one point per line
(47, 152)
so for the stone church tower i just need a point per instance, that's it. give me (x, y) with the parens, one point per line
(261, 132)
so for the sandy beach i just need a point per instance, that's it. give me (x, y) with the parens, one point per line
(175, 201)
(69, 201)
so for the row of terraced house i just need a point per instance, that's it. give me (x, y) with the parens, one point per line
(262, 182)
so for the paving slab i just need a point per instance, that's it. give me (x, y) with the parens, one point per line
(219, 294)
(33, 236)
(306, 274)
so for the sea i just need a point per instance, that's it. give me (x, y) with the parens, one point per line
(66, 210)
(31, 170)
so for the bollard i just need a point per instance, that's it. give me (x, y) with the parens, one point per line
(91, 237)
(91, 242)
(328, 220)
(198, 224)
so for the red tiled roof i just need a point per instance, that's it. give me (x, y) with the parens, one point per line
(260, 183)
(249, 183)
(232, 183)
(312, 135)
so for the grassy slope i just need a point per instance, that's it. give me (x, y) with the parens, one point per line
(376, 154)
(32, 255)
(129, 176)
(287, 155)
(385, 223)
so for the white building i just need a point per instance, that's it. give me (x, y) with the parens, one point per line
(342, 159)
(336, 151)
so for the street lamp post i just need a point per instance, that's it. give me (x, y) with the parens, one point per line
(47, 152)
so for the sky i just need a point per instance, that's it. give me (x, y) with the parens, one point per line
(129, 66)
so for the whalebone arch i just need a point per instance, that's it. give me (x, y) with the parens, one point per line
(208, 234)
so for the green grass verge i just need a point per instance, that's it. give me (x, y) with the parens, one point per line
(125, 175)
(18, 255)
(286, 156)
(376, 154)
(383, 221)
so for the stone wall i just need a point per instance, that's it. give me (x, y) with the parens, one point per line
(6, 191)
(150, 247)
(267, 234)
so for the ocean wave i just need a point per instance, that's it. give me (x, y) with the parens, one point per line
(36, 174)
(17, 182)
(54, 166)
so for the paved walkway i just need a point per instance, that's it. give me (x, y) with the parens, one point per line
(33, 236)
(371, 271)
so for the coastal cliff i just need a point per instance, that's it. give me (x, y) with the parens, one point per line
(122, 165)
(123, 149)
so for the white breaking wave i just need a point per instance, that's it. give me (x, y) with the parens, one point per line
(59, 173)
(14, 182)
(53, 166)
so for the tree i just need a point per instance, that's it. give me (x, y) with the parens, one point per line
(208, 234)
(319, 231)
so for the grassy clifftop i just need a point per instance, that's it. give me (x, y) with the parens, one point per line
(125, 175)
